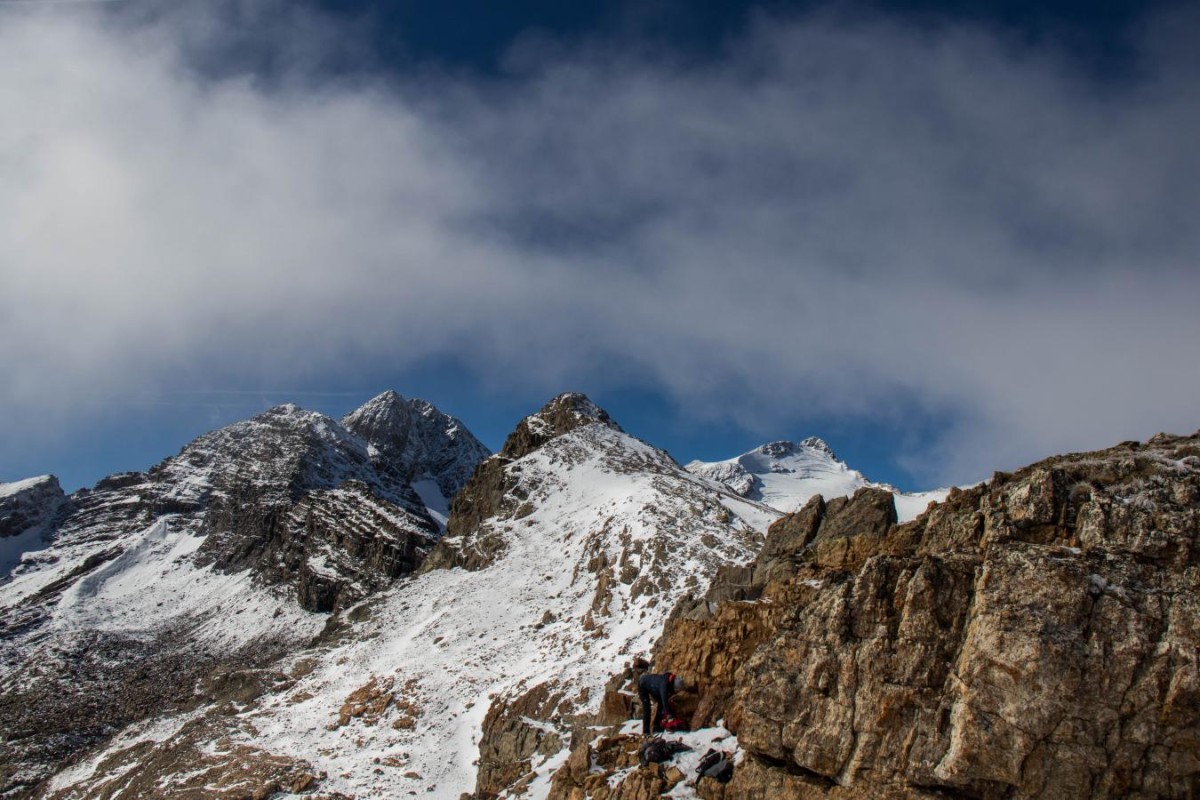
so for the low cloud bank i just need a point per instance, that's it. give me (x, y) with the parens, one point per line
(834, 217)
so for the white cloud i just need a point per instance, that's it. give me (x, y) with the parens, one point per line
(833, 217)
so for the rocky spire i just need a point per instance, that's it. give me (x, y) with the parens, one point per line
(563, 414)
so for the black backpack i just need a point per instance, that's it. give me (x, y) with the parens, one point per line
(658, 750)
(716, 765)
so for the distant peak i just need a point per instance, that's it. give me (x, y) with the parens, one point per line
(563, 414)
(414, 437)
(390, 396)
(382, 402)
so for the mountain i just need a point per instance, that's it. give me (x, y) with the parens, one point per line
(577, 540)
(430, 450)
(221, 558)
(786, 475)
(274, 612)
(1035, 636)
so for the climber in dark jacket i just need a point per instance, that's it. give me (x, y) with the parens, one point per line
(660, 687)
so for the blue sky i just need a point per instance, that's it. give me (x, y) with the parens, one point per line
(946, 237)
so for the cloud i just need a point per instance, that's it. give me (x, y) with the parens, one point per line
(841, 217)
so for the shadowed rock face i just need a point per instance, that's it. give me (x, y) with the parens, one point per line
(31, 504)
(1036, 636)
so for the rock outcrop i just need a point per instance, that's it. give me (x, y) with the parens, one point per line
(1035, 636)
(28, 511)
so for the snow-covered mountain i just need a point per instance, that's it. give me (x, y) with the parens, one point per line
(577, 540)
(216, 559)
(786, 475)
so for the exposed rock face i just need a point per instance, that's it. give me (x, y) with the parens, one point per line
(1036, 636)
(417, 441)
(28, 510)
(563, 414)
(29, 504)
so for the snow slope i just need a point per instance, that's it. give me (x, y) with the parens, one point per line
(617, 532)
(786, 475)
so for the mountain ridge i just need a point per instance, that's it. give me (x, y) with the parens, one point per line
(602, 533)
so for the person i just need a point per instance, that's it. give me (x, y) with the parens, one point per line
(657, 687)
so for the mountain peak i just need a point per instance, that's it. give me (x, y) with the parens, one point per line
(563, 414)
(417, 440)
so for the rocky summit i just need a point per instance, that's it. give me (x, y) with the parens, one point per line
(1033, 637)
(425, 447)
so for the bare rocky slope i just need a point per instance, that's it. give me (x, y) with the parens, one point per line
(1037, 636)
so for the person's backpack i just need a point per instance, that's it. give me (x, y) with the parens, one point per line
(716, 765)
(658, 750)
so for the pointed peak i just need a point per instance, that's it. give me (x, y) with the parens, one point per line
(389, 411)
(414, 437)
(563, 414)
(380, 402)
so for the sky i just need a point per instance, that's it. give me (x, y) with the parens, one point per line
(948, 238)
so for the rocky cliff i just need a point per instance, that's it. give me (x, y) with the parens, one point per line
(422, 446)
(1035, 636)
